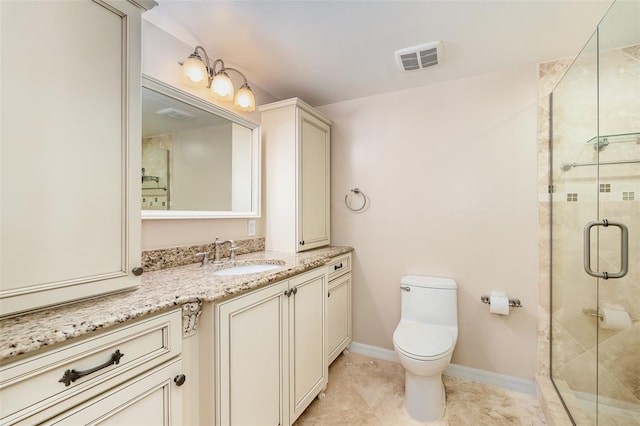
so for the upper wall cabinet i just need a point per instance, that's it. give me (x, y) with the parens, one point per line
(70, 182)
(296, 141)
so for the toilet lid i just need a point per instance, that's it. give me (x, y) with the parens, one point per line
(422, 340)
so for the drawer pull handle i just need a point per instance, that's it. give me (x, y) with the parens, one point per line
(336, 267)
(73, 375)
(180, 379)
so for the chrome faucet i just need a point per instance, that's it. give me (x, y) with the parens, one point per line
(216, 250)
(232, 249)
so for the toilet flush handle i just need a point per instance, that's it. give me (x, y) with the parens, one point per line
(405, 287)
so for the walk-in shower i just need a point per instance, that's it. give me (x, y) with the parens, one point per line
(595, 225)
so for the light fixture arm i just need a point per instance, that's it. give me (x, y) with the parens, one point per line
(207, 63)
(246, 83)
(206, 57)
(224, 70)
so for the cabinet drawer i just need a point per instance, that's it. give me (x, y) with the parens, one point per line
(150, 399)
(339, 265)
(34, 383)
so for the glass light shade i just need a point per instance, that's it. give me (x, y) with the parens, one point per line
(194, 72)
(245, 101)
(222, 87)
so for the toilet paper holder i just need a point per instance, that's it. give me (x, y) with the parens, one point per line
(592, 313)
(513, 303)
(598, 314)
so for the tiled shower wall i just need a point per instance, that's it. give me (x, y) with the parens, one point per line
(154, 161)
(575, 197)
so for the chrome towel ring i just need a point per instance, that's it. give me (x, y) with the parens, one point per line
(361, 194)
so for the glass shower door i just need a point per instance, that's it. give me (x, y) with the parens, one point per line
(619, 189)
(595, 150)
(574, 202)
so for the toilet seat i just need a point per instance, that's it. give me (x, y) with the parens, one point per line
(423, 341)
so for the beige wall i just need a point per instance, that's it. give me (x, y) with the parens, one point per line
(450, 171)
(202, 162)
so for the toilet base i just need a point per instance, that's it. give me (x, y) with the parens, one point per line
(424, 397)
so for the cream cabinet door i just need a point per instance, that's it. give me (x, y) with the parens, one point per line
(251, 365)
(296, 142)
(307, 351)
(70, 165)
(151, 399)
(314, 182)
(338, 316)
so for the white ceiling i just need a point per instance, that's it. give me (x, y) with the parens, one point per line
(331, 51)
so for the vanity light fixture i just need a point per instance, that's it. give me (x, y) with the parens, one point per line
(199, 73)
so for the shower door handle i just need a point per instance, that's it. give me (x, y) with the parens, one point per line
(624, 249)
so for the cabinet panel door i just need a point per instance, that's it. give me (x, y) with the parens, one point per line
(308, 348)
(314, 187)
(152, 399)
(338, 316)
(251, 344)
(70, 150)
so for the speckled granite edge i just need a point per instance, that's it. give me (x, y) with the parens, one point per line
(153, 260)
(159, 291)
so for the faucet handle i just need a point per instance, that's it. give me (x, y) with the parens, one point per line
(205, 258)
(232, 249)
(216, 251)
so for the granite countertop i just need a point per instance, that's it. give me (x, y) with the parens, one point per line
(159, 290)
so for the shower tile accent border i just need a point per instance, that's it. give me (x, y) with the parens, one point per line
(153, 260)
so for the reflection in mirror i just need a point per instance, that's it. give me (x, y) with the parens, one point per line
(198, 160)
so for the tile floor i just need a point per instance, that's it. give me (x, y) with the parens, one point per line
(369, 391)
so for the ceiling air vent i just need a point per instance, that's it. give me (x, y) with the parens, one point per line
(176, 114)
(420, 57)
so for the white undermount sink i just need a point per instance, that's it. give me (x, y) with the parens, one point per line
(247, 269)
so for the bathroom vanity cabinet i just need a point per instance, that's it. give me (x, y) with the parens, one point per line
(130, 375)
(70, 150)
(339, 306)
(270, 351)
(296, 140)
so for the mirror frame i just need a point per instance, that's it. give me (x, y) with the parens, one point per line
(180, 95)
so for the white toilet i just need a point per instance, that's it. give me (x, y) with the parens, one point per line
(424, 341)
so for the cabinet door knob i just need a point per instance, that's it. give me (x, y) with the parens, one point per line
(180, 379)
(328, 294)
(301, 243)
(137, 271)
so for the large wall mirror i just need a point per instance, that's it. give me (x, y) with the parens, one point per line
(198, 160)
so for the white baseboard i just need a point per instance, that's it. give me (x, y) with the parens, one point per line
(373, 351)
(482, 376)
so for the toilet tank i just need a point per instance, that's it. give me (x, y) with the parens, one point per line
(430, 300)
